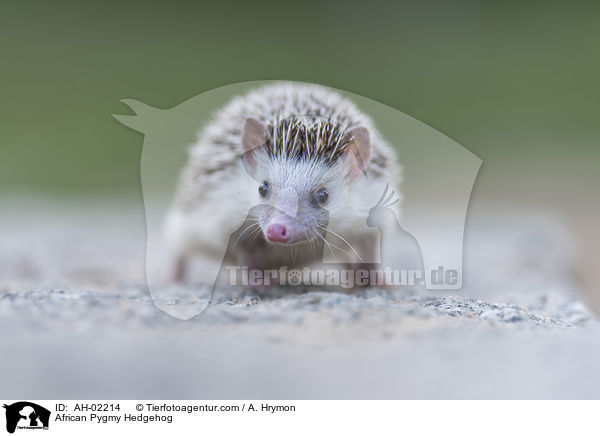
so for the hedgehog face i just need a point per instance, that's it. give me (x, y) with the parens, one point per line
(299, 195)
(304, 172)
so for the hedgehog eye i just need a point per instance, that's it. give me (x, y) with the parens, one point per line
(263, 189)
(321, 196)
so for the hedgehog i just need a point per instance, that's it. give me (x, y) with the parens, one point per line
(301, 162)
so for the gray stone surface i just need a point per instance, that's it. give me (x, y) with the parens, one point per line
(76, 322)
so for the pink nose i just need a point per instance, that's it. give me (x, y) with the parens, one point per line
(277, 233)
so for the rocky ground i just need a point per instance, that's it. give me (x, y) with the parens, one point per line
(77, 322)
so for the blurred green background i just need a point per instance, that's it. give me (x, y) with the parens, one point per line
(514, 82)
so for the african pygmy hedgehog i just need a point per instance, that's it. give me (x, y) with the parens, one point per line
(308, 157)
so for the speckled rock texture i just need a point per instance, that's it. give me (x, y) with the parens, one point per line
(77, 322)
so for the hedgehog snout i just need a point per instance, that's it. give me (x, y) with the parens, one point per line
(282, 228)
(277, 233)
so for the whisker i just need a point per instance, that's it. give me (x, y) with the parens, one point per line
(329, 245)
(294, 254)
(254, 234)
(347, 243)
(244, 231)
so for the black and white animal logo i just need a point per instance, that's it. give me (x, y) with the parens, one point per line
(26, 415)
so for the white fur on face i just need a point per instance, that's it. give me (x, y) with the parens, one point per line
(293, 184)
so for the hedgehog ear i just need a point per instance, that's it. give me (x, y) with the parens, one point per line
(254, 136)
(358, 150)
